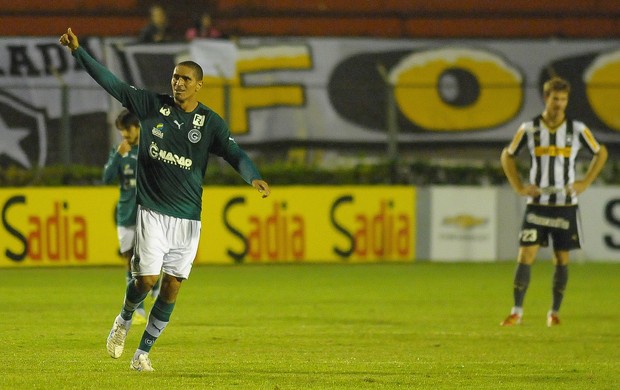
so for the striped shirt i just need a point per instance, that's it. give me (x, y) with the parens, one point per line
(553, 152)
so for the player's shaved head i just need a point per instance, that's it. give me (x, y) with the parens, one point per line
(194, 66)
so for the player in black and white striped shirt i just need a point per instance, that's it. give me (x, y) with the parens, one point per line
(553, 142)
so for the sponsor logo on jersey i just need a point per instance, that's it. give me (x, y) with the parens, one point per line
(199, 120)
(128, 170)
(194, 136)
(178, 124)
(157, 130)
(559, 223)
(157, 153)
(165, 111)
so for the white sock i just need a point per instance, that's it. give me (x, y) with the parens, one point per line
(138, 353)
(123, 322)
(517, 310)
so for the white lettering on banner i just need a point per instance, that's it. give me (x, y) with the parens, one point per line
(292, 91)
(31, 68)
(474, 91)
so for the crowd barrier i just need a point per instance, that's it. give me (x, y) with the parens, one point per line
(74, 226)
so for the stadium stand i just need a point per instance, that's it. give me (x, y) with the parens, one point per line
(388, 18)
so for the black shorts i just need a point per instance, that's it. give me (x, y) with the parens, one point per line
(561, 223)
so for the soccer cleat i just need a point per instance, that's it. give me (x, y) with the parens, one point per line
(513, 319)
(142, 363)
(138, 319)
(116, 340)
(553, 319)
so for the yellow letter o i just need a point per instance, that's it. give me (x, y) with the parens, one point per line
(417, 83)
(602, 79)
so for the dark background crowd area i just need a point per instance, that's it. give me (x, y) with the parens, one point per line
(369, 18)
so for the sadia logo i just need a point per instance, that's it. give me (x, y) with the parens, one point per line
(278, 236)
(23, 139)
(55, 234)
(384, 231)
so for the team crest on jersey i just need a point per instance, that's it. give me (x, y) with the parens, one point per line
(199, 120)
(165, 111)
(194, 136)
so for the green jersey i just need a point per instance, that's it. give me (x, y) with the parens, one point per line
(123, 168)
(174, 145)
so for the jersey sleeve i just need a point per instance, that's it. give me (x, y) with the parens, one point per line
(587, 138)
(110, 169)
(225, 146)
(518, 141)
(136, 100)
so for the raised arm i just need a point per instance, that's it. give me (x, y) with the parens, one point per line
(129, 96)
(70, 40)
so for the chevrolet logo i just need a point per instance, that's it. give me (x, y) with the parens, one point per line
(464, 221)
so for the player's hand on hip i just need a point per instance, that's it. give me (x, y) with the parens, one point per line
(578, 187)
(262, 187)
(69, 39)
(530, 190)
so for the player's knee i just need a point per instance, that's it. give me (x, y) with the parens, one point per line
(145, 283)
(170, 286)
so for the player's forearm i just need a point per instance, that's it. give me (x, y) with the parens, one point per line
(242, 163)
(596, 166)
(510, 170)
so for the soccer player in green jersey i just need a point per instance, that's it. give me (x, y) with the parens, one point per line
(177, 134)
(121, 165)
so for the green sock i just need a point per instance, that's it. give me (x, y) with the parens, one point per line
(133, 299)
(128, 279)
(158, 320)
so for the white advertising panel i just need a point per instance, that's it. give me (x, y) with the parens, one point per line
(463, 224)
(600, 217)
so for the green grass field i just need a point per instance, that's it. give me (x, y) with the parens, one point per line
(382, 326)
